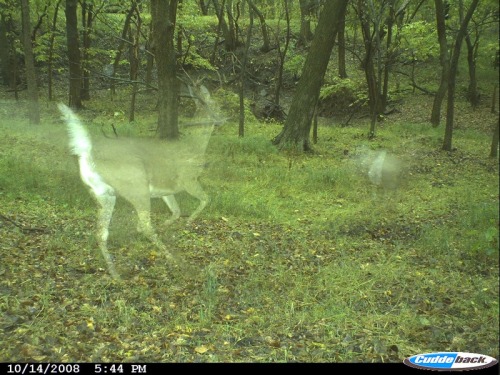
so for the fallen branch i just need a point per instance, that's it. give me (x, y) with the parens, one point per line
(22, 228)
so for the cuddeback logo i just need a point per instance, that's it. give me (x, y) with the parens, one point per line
(450, 361)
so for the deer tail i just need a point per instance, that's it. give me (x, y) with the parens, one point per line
(79, 139)
(81, 145)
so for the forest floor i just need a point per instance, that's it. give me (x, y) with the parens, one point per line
(296, 258)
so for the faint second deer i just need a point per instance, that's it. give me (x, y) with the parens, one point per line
(137, 169)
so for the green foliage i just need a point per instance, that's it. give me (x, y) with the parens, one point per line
(419, 41)
(342, 86)
(229, 102)
(340, 94)
(294, 62)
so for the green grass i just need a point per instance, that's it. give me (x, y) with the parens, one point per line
(296, 258)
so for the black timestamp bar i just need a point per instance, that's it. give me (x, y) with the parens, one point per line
(74, 368)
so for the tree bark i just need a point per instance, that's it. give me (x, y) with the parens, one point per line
(123, 38)
(204, 7)
(11, 65)
(472, 92)
(306, 10)
(448, 135)
(73, 45)
(4, 52)
(295, 133)
(341, 49)
(164, 14)
(494, 141)
(227, 32)
(87, 13)
(29, 62)
(266, 45)
(149, 57)
(282, 55)
(445, 63)
(50, 60)
(494, 99)
(371, 47)
(134, 65)
(241, 126)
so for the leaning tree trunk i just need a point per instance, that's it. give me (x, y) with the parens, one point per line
(448, 135)
(29, 62)
(266, 44)
(295, 133)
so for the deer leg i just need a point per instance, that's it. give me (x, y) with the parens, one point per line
(107, 203)
(196, 191)
(146, 227)
(174, 208)
(142, 204)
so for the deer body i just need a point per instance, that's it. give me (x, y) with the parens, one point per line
(137, 169)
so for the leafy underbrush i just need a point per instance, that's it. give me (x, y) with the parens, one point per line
(296, 258)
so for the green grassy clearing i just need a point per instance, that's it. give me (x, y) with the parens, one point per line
(296, 258)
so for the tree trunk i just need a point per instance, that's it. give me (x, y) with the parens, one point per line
(123, 37)
(389, 56)
(149, 57)
(232, 38)
(204, 7)
(373, 84)
(295, 133)
(87, 12)
(444, 60)
(447, 143)
(73, 45)
(4, 52)
(9, 65)
(494, 99)
(266, 45)
(50, 59)
(494, 141)
(282, 55)
(306, 10)
(241, 127)
(229, 37)
(29, 62)
(164, 13)
(472, 92)
(134, 65)
(341, 49)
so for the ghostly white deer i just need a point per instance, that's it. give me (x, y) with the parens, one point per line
(137, 169)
